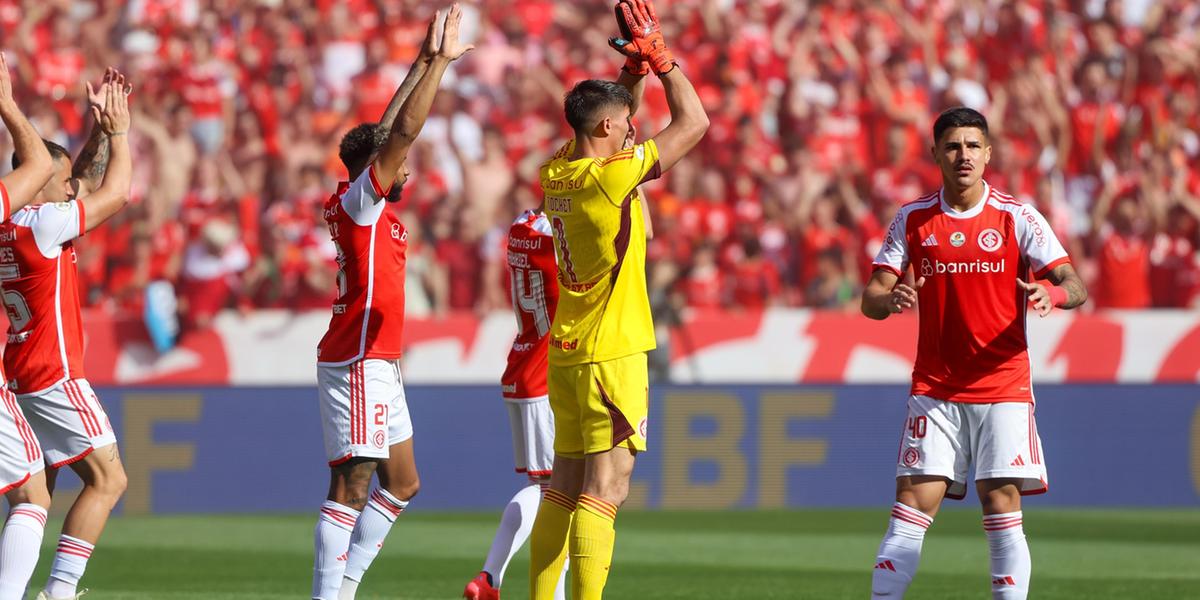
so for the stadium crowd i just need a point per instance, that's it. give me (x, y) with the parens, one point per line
(820, 129)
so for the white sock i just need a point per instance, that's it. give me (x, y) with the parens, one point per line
(515, 525)
(1011, 564)
(70, 561)
(370, 531)
(19, 545)
(331, 541)
(900, 552)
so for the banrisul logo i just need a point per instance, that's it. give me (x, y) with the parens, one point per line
(929, 268)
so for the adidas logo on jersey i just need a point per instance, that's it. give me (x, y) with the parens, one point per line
(1006, 580)
(930, 241)
(1019, 462)
(887, 564)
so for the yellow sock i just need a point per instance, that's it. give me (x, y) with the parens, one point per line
(592, 540)
(548, 544)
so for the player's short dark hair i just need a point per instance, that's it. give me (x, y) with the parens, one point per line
(56, 153)
(586, 102)
(359, 144)
(959, 116)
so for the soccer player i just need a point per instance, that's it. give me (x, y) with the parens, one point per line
(44, 356)
(971, 405)
(532, 271)
(363, 411)
(22, 472)
(602, 329)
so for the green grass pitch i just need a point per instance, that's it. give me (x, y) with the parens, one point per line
(819, 554)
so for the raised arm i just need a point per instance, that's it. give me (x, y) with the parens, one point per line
(689, 122)
(416, 107)
(89, 166)
(428, 50)
(113, 123)
(25, 181)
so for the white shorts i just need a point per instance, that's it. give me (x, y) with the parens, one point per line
(947, 438)
(533, 435)
(363, 410)
(69, 421)
(20, 454)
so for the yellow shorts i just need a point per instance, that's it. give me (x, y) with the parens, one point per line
(599, 406)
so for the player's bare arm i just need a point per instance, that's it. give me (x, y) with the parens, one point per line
(636, 84)
(429, 49)
(416, 107)
(90, 164)
(885, 295)
(113, 122)
(689, 121)
(25, 181)
(1067, 292)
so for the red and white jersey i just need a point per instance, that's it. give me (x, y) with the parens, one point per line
(972, 345)
(532, 270)
(368, 314)
(41, 295)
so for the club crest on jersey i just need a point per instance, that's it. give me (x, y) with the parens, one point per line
(990, 240)
(911, 457)
(957, 239)
(379, 439)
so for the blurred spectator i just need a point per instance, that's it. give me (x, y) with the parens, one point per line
(820, 115)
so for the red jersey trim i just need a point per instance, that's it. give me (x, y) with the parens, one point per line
(73, 459)
(82, 218)
(882, 267)
(15, 484)
(379, 191)
(4, 198)
(925, 198)
(1050, 267)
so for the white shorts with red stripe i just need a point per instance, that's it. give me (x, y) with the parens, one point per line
(947, 439)
(363, 410)
(533, 435)
(69, 421)
(20, 453)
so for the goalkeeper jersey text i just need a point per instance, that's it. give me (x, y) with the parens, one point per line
(595, 215)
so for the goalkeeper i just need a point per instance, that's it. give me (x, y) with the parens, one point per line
(602, 329)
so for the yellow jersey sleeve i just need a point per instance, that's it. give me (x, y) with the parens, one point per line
(620, 174)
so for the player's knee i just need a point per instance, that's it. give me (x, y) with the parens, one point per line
(406, 490)
(1000, 500)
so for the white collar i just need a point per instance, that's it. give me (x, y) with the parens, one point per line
(969, 213)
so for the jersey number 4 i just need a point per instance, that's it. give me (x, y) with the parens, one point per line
(529, 297)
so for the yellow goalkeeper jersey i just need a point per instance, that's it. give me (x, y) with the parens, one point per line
(595, 213)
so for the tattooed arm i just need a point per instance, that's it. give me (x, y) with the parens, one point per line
(428, 50)
(1068, 291)
(92, 161)
(1064, 276)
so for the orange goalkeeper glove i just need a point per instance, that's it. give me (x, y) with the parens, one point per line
(642, 39)
(633, 65)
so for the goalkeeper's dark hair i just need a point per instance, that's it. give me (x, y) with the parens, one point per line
(56, 153)
(959, 116)
(359, 144)
(588, 100)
